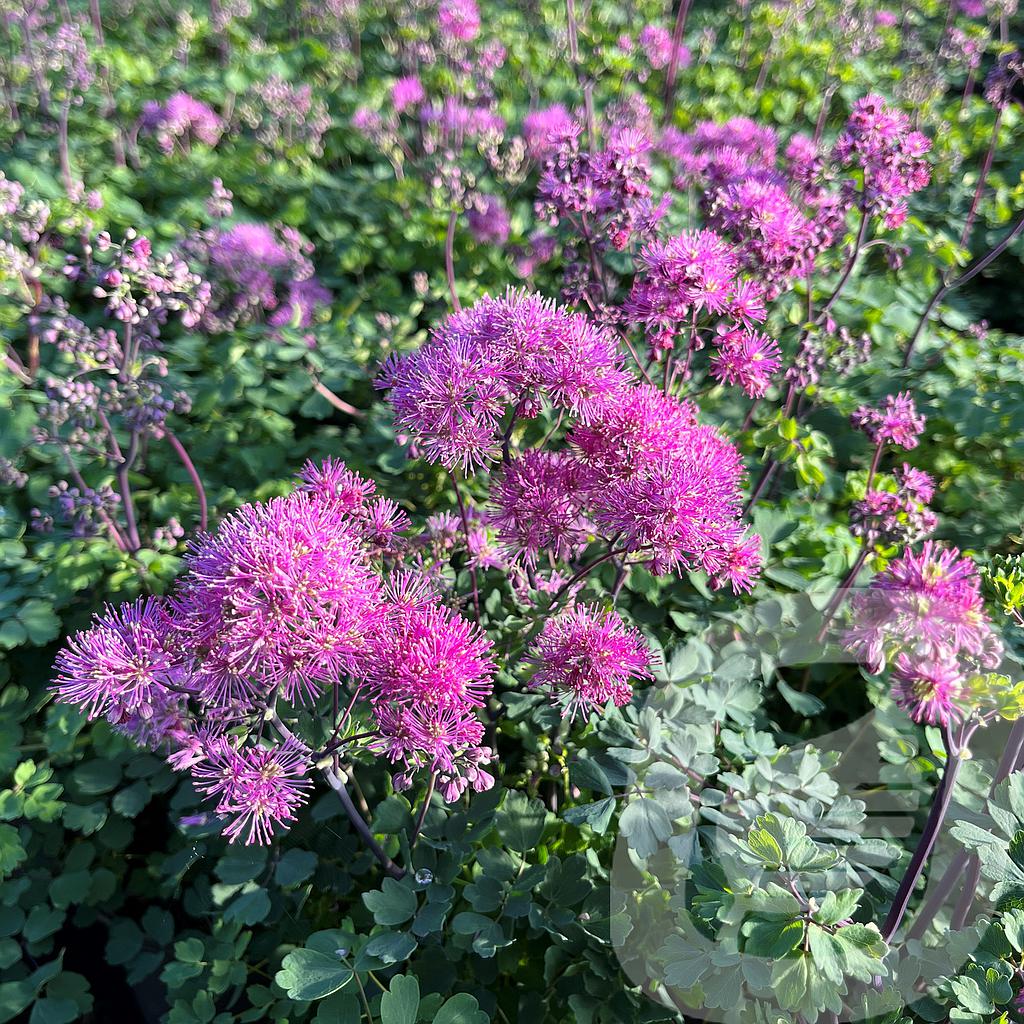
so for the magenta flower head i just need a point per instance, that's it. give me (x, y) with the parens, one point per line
(257, 787)
(880, 141)
(122, 664)
(746, 358)
(422, 654)
(458, 18)
(282, 595)
(928, 690)
(927, 606)
(543, 129)
(539, 504)
(587, 657)
(519, 350)
(407, 92)
(656, 42)
(896, 421)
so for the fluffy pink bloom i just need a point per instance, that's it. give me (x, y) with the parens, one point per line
(656, 42)
(280, 596)
(916, 482)
(896, 421)
(587, 657)
(542, 129)
(645, 427)
(667, 486)
(679, 279)
(407, 92)
(539, 505)
(746, 358)
(880, 141)
(519, 351)
(424, 655)
(258, 787)
(121, 664)
(928, 690)
(181, 117)
(928, 606)
(458, 18)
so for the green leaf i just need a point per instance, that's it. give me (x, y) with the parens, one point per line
(461, 1009)
(249, 907)
(596, 815)
(520, 821)
(394, 903)
(765, 847)
(401, 1003)
(645, 825)
(12, 853)
(391, 947)
(308, 974)
(295, 867)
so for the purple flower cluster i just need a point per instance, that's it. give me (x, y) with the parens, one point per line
(518, 351)
(899, 517)
(896, 421)
(287, 119)
(925, 615)
(587, 658)
(879, 141)
(605, 196)
(640, 468)
(488, 220)
(283, 601)
(691, 287)
(181, 121)
(257, 272)
(781, 214)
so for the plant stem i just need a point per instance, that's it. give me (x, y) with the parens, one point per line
(449, 259)
(940, 806)
(858, 246)
(833, 605)
(337, 783)
(947, 286)
(465, 533)
(125, 489)
(673, 67)
(422, 816)
(1007, 764)
(986, 166)
(339, 403)
(193, 473)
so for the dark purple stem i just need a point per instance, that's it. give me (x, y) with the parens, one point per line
(673, 67)
(947, 286)
(937, 815)
(193, 474)
(449, 259)
(986, 166)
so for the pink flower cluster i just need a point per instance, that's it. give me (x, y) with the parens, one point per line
(896, 421)
(283, 601)
(899, 517)
(519, 350)
(690, 287)
(181, 120)
(257, 272)
(639, 467)
(925, 615)
(587, 658)
(605, 195)
(781, 214)
(879, 140)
